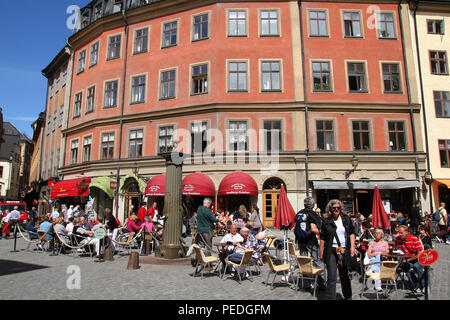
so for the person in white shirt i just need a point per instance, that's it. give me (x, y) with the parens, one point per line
(55, 214)
(232, 239)
(70, 212)
(10, 217)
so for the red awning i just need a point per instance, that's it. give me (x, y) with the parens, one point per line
(71, 188)
(238, 183)
(198, 184)
(156, 187)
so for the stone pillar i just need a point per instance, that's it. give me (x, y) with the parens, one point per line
(172, 247)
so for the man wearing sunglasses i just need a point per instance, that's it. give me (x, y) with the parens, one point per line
(337, 244)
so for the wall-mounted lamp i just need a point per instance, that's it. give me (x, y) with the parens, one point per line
(428, 178)
(354, 162)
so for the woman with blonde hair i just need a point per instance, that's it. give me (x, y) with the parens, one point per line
(377, 248)
(241, 217)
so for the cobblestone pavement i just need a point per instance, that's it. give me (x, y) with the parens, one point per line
(36, 275)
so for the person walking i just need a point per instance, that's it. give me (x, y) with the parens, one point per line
(443, 222)
(337, 245)
(307, 226)
(257, 224)
(415, 217)
(205, 221)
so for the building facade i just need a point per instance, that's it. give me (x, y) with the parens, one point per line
(431, 21)
(237, 79)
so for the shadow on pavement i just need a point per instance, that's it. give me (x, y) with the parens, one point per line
(11, 267)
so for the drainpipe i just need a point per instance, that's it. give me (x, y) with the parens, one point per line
(416, 2)
(69, 86)
(122, 109)
(305, 93)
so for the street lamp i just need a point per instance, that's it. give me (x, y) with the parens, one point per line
(354, 162)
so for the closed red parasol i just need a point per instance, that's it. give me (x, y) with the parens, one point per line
(285, 218)
(379, 215)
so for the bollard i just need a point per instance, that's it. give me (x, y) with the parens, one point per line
(133, 261)
(108, 255)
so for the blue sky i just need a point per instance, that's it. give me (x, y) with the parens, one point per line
(33, 33)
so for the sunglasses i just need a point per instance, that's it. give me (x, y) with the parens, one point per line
(335, 208)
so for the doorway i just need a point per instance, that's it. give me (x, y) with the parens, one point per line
(271, 195)
(132, 198)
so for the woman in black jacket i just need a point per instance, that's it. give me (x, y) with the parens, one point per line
(337, 244)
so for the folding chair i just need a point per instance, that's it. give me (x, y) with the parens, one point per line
(276, 270)
(387, 275)
(204, 261)
(306, 270)
(245, 261)
(42, 236)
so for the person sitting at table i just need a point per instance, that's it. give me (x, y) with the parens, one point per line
(232, 239)
(85, 236)
(32, 230)
(147, 225)
(395, 229)
(249, 242)
(131, 225)
(425, 238)
(411, 245)
(377, 248)
(62, 232)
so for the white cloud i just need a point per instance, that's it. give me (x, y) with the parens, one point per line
(20, 119)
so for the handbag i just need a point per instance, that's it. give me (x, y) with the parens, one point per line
(341, 252)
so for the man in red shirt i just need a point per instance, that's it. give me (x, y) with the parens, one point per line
(410, 244)
(153, 210)
(142, 212)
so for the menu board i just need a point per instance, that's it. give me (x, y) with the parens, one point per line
(387, 205)
(348, 205)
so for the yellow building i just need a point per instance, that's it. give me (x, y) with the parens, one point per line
(430, 32)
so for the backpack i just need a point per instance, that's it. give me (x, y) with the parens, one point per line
(301, 227)
(437, 215)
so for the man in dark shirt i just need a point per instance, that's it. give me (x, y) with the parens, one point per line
(310, 244)
(205, 219)
(415, 217)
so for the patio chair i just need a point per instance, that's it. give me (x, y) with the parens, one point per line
(27, 237)
(204, 261)
(386, 275)
(81, 246)
(42, 236)
(128, 242)
(147, 236)
(293, 254)
(276, 270)
(245, 261)
(306, 270)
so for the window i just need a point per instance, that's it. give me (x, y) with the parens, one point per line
(444, 149)
(352, 24)
(438, 61)
(200, 79)
(436, 26)
(356, 77)
(397, 136)
(1, 172)
(98, 11)
(386, 28)
(64, 76)
(325, 135)
(94, 54)
(58, 158)
(318, 23)
(237, 76)
(81, 61)
(391, 77)
(77, 108)
(201, 27)
(271, 76)
(237, 23)
(361, 139)
(138, 89)
(141, 41)
(61, 116)
(238, 136)
(87, 143)
(114, 47)
(269, 23)
(170, 34)
(321, 76)
(107, 146)
(166, 139)
(90, 100)
(118, 6)
(168, 84)
(74, 152)
(136, 143)
(272, 135)
(442, 104)
(111, 94)
(198, 137)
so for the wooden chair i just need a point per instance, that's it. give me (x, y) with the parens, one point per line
(276, 270)
(387, 275)
(42, 236)
(306, 270)
(204, 261)
(245, 261)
